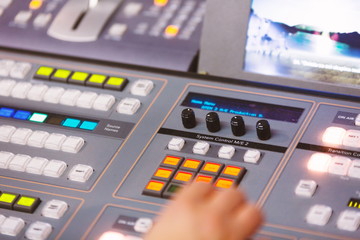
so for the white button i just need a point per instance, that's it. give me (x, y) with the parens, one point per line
(54, 168)
(176, 144)
(80, 173)
(252, 156)
(54, 141)
(201, 147)
(334, 135)
(104, 102)
(12, 226)
(20, 70)
(6, 132)
(2, 218)
(22, 17)
(70, 97)
(117, 30)
(319, 162)
(357, 120)
(72, 144)
(352, 139)
(5, 3)
(349, 220)
(86, 99)
(21, 90)
(132, 238)
(53, 95)
(142, 87)
(143, 225)
(132, 9)
(36, 165)
(111, 235)
(354, 170)
(42, 20)
(5, 66)
(226, 152)
(21, 136)
(37, 92)
(37, 139)
(1, 11)
(339, 165)
(319, 215)
(306, 188)
(5, 158)
(19, 162)
(6, 87)
(54, 209)
(128, 106)
(38, 231)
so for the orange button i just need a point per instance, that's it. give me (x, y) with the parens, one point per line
(212, 167)
(224, 183)
(163, 173)
(192, 164)
(35, 4)
(171, 31)
(232, 170)
(160, 3)
(204, 178)
(171, 161)
(183, 176)
(155, 186)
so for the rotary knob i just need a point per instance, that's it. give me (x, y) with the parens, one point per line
(212, 122)
(188, 118)
(237, 125)
(263, 130)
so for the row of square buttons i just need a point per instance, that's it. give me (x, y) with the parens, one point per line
(10, 68)
(225, 151)
(42, 166)
(341, 136)
(17, 202)
(41, 139)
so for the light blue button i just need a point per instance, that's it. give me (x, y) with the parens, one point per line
(87, 125)
(71, 122)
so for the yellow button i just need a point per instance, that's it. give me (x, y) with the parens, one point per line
(224, 183)
(183, 176)
(160, 3)
(26, 201)
(163, 173)
(232, 170)
(155, 186)
(171, 31)
(190, 163)
(212, 167)
(7, 197)
(172, 161)
(35, 4)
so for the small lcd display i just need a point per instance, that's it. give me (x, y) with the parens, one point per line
(243, 107)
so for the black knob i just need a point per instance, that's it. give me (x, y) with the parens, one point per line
(188, 118)
(237, 125)
(212, 122)
(263, 130)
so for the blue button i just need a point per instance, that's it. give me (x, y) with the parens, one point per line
(71, 122)
(87, 125)
(22, 115)
(6, 112)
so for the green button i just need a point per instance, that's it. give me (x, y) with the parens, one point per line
(44, 72)
(61, 75)
(115, 83)
(7, 200)
(79, 78)
(27, 204)
(96, 80)
(38, 117)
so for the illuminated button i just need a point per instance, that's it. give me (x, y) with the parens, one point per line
(53, 95)
(38, 231)
(142, 87)
(204, 178)
(104, 102)
(143, 225)
(319, 215)
(6, 132)
(160, 3)
(352, 139)
(61, 75)
(357, 120)
(72, 144)
(252, 156)
(5, 66)
(79, 78)
(37, 139)
(183, 177)
(171, 189)
(38, 117)
(191, 165)
(117, 30)
(6, 112)
(110, 235)
(115, 83)
(22, 115)
(132, 9)
(176, 144)
(306, 188)
(26, 204)
(5, 3)
(171, 31)
(96, 80)
(80, 173)
(319, 162)
(226, 152)
(36, 165)
(171, 161)
(54, 209)
(154, 188)
(86, 100)
(69, 97)
(334, 135)
(339, 165)
(44, 72)
(54, 168)
(21, 90)
(354, 170)
(201, 147)
(88, 125)
(22, 17)
(19, 162)
(5, 158)
(348, 220)
(20, 70)
(21, 136)
(7, 200)
(71, 122)
(41, 20)
(233, 172)
(35, 4)
(224, 183)
(163, 173)
(6, 87)
(54, 141)
(12, 226)
(128, 106)
(212, 168)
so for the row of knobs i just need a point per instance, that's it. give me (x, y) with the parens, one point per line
(237, 124)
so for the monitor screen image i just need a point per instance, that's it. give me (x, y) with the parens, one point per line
(308, 40)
